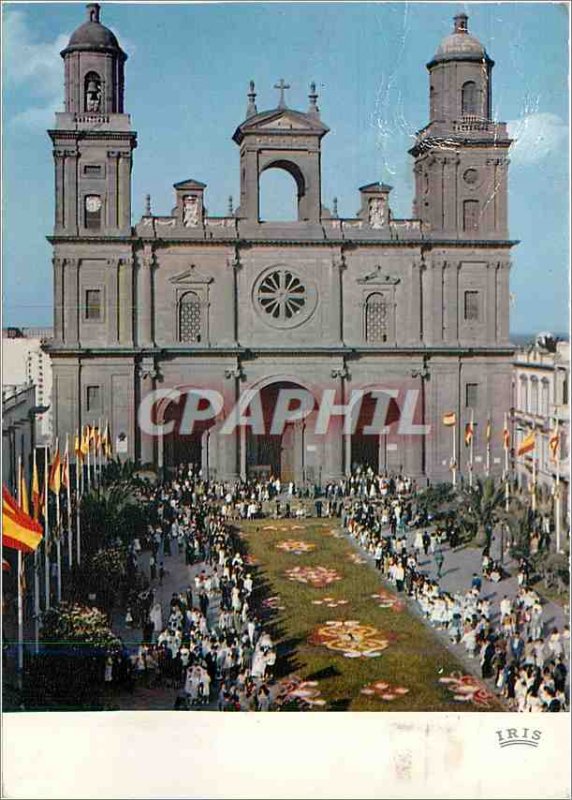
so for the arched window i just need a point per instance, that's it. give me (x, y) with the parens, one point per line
(190, 318)
(92, 92)
(377, 318)
(469, 99)
(278, 196)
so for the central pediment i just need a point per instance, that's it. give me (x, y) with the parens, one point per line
(281, 120)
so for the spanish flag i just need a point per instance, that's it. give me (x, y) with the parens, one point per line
(105, 443)
(65, 471)
(77, 447)
(469, 433)
(449, 419)
(554, 442)
(488, 431)
(19, 530)
(37, 495)
(527, 445)
(55, 476)
(85, 440)
(23, 491)
(506, 438)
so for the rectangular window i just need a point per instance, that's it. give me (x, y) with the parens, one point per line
(93, 304)
(93, 395)
(472, 306)
(470, 215)
(471, 395)
(93, 170)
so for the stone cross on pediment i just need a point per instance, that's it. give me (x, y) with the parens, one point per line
(379, 278)
(281, 86)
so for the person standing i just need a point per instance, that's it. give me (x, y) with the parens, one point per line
(439, 559)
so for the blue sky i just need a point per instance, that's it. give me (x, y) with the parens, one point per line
(186, 82)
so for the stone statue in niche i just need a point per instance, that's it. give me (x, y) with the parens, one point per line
(377, 215)
(93, 95)
(191, 211)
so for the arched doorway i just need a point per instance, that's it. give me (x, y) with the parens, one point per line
(369, 450)
(289, 454)
(182, 447)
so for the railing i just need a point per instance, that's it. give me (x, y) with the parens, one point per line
(472, 123)
(92, 119)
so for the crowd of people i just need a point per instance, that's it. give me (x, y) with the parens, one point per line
(527, 663)
(211, 647)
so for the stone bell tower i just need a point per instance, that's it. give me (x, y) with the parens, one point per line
(461, 155)
(93, 142)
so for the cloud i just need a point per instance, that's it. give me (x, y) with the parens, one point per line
(537, 136)
(35, 70)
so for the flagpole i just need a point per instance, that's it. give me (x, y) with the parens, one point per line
(506, 467)
(557, 510)
(488, 467)
(78, 460)
(471, 448)
(36, 583)
(58, 536)
(454, 467)
(20, 591)
(68, 502)
(88, 462)
(534, 478)
(47, 576)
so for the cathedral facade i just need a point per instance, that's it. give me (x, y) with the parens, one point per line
(236, 305)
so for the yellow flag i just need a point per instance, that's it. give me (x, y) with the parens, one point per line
(23, 491)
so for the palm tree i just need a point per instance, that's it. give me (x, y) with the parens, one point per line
(481, 508)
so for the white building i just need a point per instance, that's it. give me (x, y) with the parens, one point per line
(540, 399)
(24, 364)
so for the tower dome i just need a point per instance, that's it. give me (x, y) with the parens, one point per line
(460, 45)
(92, 35)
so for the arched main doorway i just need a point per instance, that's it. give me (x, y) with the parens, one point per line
(291, 454)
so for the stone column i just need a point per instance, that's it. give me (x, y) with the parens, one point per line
(112, 188)
(145, 298)
(125, 309)
(112, 300)
(491, 303)
(451, 274)
(72, 210)
(230, 299)
(124, 192)
(502, 274)
(336, 318)
(437, 309)
(58, 264)
(73, 303)
(59, 162)
(415, 333)
(229, 453)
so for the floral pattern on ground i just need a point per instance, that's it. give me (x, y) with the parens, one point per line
(294, 546)
(384, 691)
(350, 638)
(319, 577)
(330, 602)
(467, 689)
(304, 694)
(273, 603)
(387, 600)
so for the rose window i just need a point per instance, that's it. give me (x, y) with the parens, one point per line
(282, 295)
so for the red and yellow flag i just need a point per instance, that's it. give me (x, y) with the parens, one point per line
(469, 433)
(527, 445)
(506, 438)
(23, 490)
(85, 440)
(488, 431)
(55, 476)
(554, 442)
(77, 447)
(65, 471)
(449, 419)
(19, 530)
(37, 495)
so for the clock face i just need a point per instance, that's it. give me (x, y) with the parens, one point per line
(92, 203)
